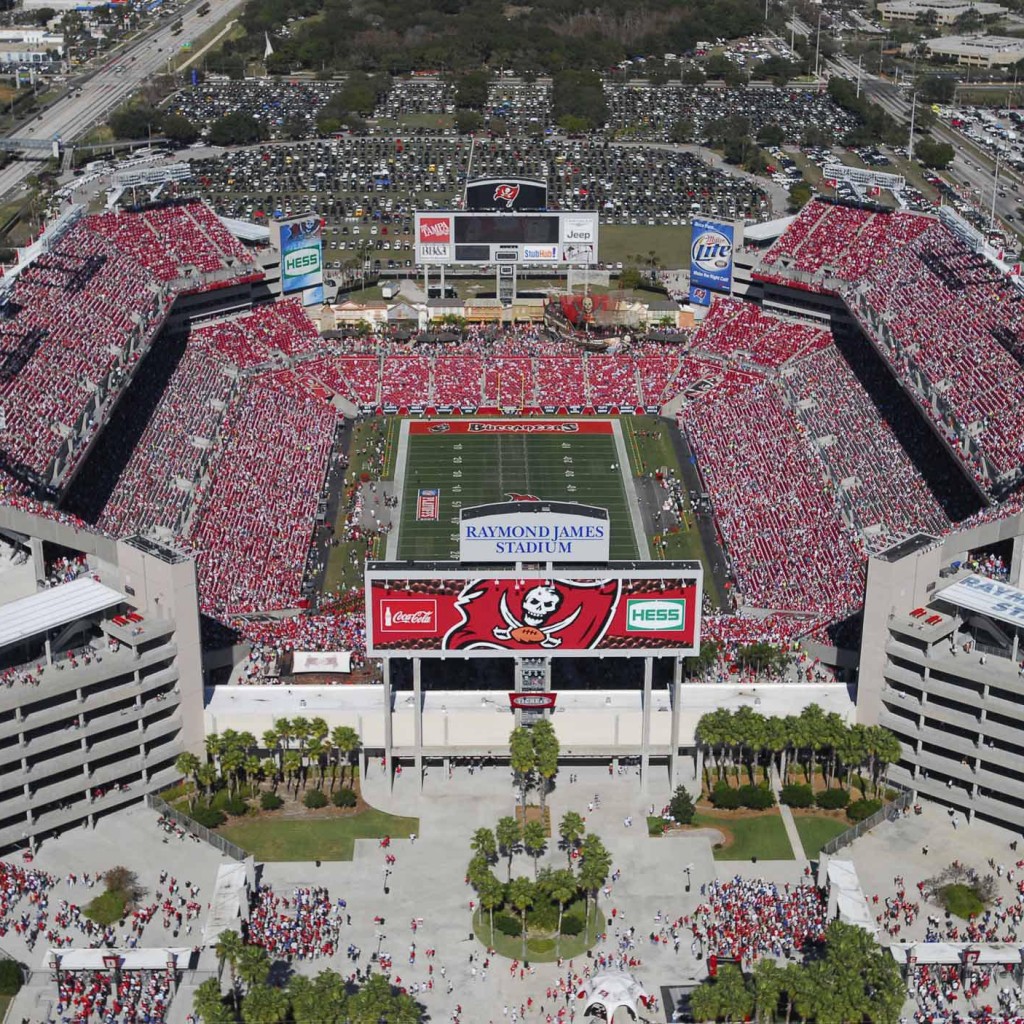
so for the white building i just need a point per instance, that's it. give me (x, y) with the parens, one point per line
(946, 11)
(977, 51)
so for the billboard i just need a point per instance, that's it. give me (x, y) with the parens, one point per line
(300, 243)
(445, 611)
(531, 529)
(496, 237)
(507, 194)
(711, 245)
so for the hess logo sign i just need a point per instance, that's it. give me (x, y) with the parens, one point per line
(302, 261)
(711, 250)
(643, 614)
(407, 615)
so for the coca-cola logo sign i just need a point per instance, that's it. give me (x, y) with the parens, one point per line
(407, 615)
(437, 230)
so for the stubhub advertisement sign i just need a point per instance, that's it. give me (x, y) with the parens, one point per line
(711, 255)
(302, 261)
(527, 530)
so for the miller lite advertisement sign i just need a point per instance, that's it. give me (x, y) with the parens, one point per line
(507, 194)
(711, 248)
(614, 613)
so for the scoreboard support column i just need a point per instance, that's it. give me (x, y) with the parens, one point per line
(389, 742)
(417, 720)
(645, 735)
(677, 696)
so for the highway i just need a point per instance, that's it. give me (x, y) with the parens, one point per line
(972, 167)
(74, 114)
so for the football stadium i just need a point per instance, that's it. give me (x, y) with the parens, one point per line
(828, 465)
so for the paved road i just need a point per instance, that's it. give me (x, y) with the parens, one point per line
(73, 115)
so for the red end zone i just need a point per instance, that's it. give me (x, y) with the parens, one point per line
(510, 427)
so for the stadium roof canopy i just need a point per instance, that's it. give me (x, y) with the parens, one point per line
(30, 616)
(768, 230)
(952, 952)
(245, 231)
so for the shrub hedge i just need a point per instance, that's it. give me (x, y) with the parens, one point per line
(315, 799)
(832, 799)
(344, 797)
(508, 925)
(797, 795)
(270, 801)
(862, 809)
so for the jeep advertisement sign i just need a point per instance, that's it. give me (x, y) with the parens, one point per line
(504, 612)
(300, 243)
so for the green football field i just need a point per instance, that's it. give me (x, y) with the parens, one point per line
(473, 469)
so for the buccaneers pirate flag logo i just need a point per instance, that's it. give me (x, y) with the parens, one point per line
(539, 615)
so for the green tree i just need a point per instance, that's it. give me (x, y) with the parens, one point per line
(521, 894)
(188, 765)
(523, 759)
(229, 951)
(179, 129)
(535, 839)
(595, 863)
(468, 121)
(293, 767)
(206, 777)
(377, 1001)
(938, 155)
(492, 896)
(570, 830)
(484, 844)
(264, 1004)
(681, 806)
(769, 984)
(346, 741)
(546, 750)
(562, 888)
(237, 129)
(253, 966)
(799, 196)
(135, 121)
(208, 1002)
(509, 835)
(471, 90)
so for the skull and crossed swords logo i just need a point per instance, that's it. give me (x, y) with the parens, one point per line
(540, 603)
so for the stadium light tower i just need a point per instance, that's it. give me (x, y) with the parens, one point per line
(910, 141)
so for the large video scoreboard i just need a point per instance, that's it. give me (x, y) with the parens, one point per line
(513, 238)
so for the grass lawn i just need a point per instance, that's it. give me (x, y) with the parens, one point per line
(625, 242)
(106, 908)
(762, 835)
(279, 839)
(962, 901)
(430, 121)
(540, 950)
(816, 831)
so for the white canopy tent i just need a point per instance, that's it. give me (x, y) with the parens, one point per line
(846, 898)
(612, 990)
(952, 953)
(230, 904)
(155, 959)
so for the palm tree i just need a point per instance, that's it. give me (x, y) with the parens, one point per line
(546, 749)
(253, 766)
(521, 894)
(229, 948)
(318, 728)
(231, 763)
(562, 887)
(301, 731)
(769, 984)
(208, 1002)
(272, 742)
(484, 844)
(213, 747)
(188, 765)
(285, 735)
(594, 867)
(813, 719)
(535, 838)
(264, 1004)
(492, 895)
(346, 740)
(253, 967)
(269, 770)
(292, 767)
(315, 751)
(523, 760)
(775, 741)
(834, 728)
(207, 776)
(570, 830)
(508, 834)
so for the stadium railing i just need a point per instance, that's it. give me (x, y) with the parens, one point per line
(897, 806)
(193, 827)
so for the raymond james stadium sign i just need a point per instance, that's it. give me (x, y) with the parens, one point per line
(525, 529)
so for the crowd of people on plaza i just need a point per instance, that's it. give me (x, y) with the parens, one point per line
(744, 919)
(302, 926)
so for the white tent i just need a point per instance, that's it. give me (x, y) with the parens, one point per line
(846, 897)
(230, 903)
(612, 990)
(952, 953)
(155, 959)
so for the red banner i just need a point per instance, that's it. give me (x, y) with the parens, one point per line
(532, 701)
(532, 615)
(497, 427)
